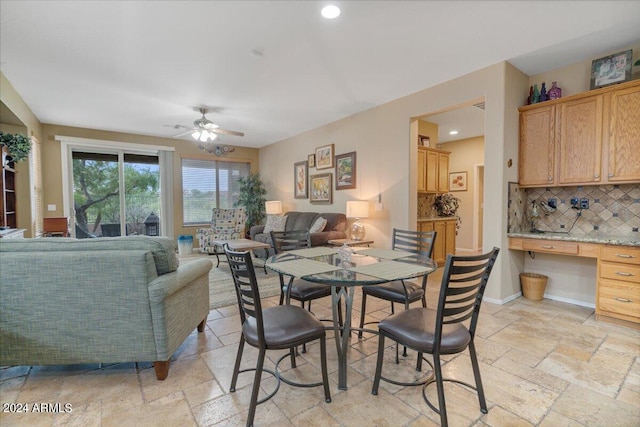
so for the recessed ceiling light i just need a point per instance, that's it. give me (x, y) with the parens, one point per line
(330, 12)
(453, 132)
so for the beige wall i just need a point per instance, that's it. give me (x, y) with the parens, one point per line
(465, 154)
(387, 160)
(52, 167)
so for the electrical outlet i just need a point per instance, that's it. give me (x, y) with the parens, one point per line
(575, 201)
(584, 203)
(553, 203)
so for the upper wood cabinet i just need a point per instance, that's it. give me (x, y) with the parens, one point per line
(433, 170)
(537, 146)
(590, 138)
(621, 139)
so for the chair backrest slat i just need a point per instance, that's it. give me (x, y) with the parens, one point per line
(417, 242)
(246, 284)
(463, 284)
(290, 240)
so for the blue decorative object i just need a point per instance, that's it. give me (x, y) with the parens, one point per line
(543, 93)
(185, 244)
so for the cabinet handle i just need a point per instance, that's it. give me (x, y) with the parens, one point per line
(549, 178)
(611, 175)
(623, 273)
(596, 176)
(624, 256)
(623, 299)
(548, 247)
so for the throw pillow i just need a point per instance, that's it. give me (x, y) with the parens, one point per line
(318, 225)
(275, 223)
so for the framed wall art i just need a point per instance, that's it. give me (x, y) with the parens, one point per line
(611, 69)
(300, 180)
(424, 141)
(311, 161)
(320, 189)
(458, 181)
(346, 171)
(324, 157)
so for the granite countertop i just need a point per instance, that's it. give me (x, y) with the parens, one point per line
(628, 240)
(437, 218)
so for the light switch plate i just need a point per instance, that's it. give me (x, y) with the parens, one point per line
(51, 208)
(378, 207)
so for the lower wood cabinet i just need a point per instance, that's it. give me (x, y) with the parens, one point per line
(445, 237)
(618, 281)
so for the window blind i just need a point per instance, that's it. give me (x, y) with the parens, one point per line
(208, 184)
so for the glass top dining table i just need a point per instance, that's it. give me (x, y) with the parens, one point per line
(345, 269)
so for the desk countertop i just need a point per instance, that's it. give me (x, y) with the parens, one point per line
(633, 239)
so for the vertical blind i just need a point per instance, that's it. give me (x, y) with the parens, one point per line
(208, 184)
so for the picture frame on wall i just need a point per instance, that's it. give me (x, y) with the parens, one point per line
(320, 189)
(424, 141)
(324, 157)
(611, 69)
(311, 161)
(300, 180)
(345, 171)
(458, 181)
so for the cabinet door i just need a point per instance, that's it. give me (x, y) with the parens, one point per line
(579, 136)
(622, 135)
(537, 147)
(422, 170)
(450, 237)
(439, 249)
(432, 172)
(443, 172)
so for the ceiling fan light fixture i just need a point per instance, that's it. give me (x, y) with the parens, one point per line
(196, 135)
(204, 136)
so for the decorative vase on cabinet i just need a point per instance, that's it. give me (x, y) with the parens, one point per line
(555, 92)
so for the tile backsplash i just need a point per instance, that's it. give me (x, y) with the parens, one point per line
(613, 209)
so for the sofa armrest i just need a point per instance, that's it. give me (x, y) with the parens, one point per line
(256, 229)
(166, 285)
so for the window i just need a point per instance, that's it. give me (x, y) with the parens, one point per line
(208, 184)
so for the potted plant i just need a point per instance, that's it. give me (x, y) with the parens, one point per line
(251, 198)
(446, 204)
(19, 146)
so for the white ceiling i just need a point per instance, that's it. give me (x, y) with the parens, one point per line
(137, 66)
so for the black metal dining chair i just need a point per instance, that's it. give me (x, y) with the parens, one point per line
(444, 330)
(273, 328)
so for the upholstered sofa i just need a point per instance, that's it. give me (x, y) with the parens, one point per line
(334, 229)
(107, 300)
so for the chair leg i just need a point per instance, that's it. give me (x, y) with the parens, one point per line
(440, 385)
(419, 363)
(378, 374)
(236, 368)
(292, 354)
(325, 375)
(476, 374)
(363, 309)
(304, 346)
(256, 388)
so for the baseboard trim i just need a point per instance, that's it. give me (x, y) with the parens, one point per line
(551, 297)
(502, 301)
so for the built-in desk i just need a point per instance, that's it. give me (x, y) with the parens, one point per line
(12, 233)
(618, 281)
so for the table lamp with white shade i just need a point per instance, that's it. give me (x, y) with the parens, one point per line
(357, 209)
(273, 207)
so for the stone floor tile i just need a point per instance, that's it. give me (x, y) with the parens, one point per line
(317, 416)
(499, 417)
(554, 419)
(591, 408)
(174, 412)
(183, 373)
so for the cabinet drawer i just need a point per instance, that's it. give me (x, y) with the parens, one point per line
(619, 298)
(624, 254)
(618, 271)
(554, 247)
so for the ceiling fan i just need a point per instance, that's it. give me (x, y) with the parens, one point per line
(204, 129)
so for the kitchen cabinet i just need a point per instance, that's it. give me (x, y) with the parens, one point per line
(621, 136)
(445, 242)
(585, 139)
(433, 170)
(618, 276)
(618, 292)
(537, 147)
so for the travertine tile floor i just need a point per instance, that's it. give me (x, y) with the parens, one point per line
(543, 363)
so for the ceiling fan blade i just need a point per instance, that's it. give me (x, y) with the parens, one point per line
(227, 132)
(183, 133)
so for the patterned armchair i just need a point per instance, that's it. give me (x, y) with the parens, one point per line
(226, 224)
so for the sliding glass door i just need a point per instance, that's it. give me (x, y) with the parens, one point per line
(115, 193)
